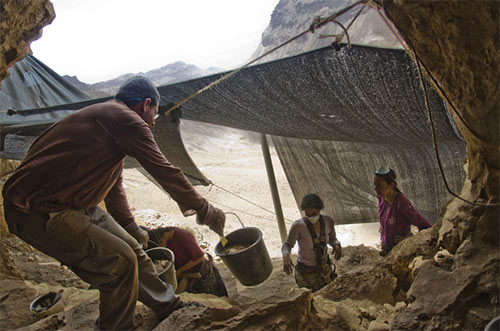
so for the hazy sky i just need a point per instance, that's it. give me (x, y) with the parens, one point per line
(98, 40)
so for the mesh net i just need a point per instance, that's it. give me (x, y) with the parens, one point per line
(336, 116)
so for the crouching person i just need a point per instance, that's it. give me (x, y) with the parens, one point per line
(51, 201)
(195, 271)
(314, 269)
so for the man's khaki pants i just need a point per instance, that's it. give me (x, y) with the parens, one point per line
(103, 254)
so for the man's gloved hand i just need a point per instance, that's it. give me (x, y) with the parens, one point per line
(213, 217)
(141, 236)
(287, 264)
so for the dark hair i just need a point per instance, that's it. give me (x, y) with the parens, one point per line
(137, 89)
(156, 234)
(389, 176)
(311, 201)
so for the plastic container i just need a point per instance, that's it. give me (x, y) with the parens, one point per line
(162, 254)
(251, 265)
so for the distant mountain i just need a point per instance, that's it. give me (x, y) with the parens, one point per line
(171, 73)
(291, 17)
(86, 88)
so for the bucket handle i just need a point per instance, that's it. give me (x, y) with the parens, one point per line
(239, 219)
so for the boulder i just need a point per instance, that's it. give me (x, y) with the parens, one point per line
(463, 297)
(377, 326)
(288, 310)
(377, 285)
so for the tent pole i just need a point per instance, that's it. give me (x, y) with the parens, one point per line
(273, 186)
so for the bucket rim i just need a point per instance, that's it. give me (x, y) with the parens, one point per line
(163, 249)
(55, 296)
(219, 244)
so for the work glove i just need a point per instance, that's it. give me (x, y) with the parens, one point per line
(287, 264)
(141, 236)
(213, 217)
(337, 252)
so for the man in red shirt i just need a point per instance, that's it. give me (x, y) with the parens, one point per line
(51, 201)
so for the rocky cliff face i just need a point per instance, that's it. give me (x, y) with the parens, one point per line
(291, 17)
(458, 44)
(21, 22)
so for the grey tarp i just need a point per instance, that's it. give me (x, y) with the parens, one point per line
(31, 84)
(351, 112)
(343, 173)
(357, 109)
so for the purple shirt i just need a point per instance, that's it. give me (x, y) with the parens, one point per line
(396, 218)
(300, 233)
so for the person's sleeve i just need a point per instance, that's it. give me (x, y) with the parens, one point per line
(290, 241)
(413, 216)
(138, 142)
(191, 246)
(332, 236)
(117, 205)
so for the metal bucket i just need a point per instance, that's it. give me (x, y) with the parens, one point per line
(251, 265)
(47, 304)
(165, 254)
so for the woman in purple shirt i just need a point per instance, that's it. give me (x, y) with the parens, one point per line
(395, 211)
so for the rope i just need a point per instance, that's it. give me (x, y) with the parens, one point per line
(434, 141)
(244, 199)
(413, 54)
(409, 49)
(317, 23)
(341, 36)
(398, 37)
(243, 212)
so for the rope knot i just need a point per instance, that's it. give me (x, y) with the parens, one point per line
(316, 23)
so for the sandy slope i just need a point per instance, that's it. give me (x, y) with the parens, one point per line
(233, 160)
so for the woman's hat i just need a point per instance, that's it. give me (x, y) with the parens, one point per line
(386, 173)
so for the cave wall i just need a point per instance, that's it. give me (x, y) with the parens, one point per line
(21, 22)
(458, 44)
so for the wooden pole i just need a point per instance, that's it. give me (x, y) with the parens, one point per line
(274, 188)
